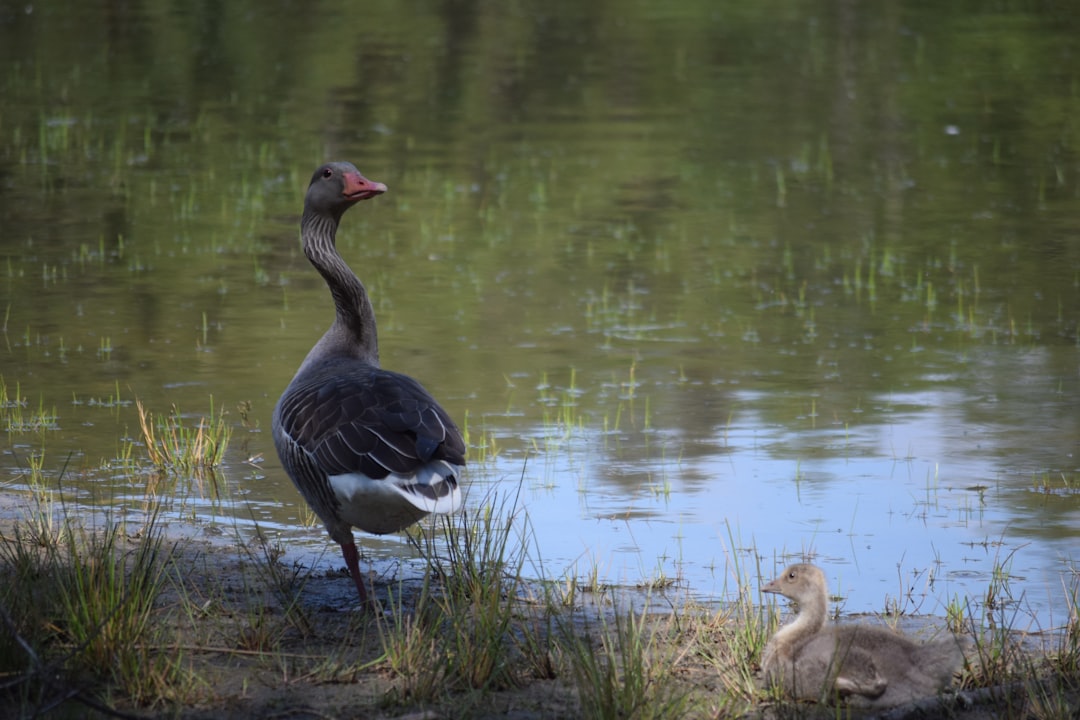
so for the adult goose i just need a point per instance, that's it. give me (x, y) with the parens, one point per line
(366, 447)
(862, 665)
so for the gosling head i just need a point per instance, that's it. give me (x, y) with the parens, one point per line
(798, 582)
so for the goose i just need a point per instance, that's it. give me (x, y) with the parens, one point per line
(862, 665)
(365, 447)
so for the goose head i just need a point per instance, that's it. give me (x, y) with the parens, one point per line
(337, 186)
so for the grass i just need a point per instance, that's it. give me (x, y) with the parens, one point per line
(625, 665)
(413, 651)
(461, 632)
(78, 605)
(736, 637)
(476, 625)
(104, 613)
(112, 618)
(17, 416)
(175, 446)
(271, 607)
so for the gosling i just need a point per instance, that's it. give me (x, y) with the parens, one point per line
(861, 665)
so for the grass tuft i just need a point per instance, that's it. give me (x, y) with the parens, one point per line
(461, 633)
(173, 446)
(77, 605)
(625, 667)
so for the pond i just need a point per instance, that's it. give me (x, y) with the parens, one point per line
(710, 286)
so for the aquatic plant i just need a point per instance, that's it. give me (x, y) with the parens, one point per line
(175, 446)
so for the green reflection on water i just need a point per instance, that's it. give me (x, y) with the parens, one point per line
(671, 227)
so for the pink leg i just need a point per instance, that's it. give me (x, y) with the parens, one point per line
(352, 561)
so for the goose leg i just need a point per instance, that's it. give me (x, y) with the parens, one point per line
(352, 561)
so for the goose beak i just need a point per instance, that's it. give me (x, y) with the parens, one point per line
(770, 587)
(358, 187)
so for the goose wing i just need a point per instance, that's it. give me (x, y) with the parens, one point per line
(369, 421)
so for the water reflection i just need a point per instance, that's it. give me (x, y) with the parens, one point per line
(716, 281)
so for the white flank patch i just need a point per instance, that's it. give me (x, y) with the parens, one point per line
(396, 501)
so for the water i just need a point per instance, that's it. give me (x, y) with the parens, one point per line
(708, 283)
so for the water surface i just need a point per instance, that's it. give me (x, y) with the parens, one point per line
(709, 282)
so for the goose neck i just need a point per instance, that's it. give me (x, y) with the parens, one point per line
(355, 318)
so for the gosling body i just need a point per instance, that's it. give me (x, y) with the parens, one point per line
(860, 665)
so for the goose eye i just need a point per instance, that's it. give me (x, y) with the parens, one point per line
(791, 575)
(327, 172)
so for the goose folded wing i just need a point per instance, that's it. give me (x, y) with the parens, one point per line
(387, 424)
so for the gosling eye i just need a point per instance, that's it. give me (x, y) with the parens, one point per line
(327, 172)
(791, 575)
